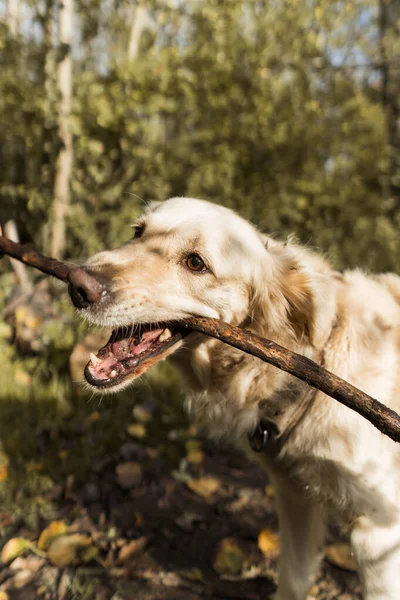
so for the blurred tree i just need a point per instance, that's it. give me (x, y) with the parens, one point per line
(63, 168)
(389, 49)
(13, 16)
(273, 108)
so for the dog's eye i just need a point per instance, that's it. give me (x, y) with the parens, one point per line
(195, 263)
(138, 231)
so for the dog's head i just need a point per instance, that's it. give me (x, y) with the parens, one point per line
(189, 257)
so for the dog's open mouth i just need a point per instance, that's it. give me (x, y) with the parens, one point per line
(130, 354)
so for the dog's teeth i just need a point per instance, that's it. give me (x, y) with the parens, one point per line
(166, 334)
(113, 373)
(94, 359)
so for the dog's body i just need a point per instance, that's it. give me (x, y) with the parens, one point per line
(332, 462)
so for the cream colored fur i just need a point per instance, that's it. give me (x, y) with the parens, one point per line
(334, 464)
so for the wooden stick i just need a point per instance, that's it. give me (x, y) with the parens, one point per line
(47, 265)
(382, 417)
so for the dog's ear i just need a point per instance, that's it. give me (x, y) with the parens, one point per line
(298, 292)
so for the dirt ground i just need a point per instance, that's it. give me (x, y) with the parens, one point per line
(176, 519)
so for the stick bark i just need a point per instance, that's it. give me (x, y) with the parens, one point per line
(379, 415)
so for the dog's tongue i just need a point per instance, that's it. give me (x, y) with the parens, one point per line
(128, 346)
(108, 363)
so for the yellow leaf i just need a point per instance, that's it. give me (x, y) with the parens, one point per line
(4, 459)
(68, 549)
(129, 474)
(205, 486)
(131, 549)
(193, 445)
(3, 473)
(13, 548)
(89, 553)
(195, 457)
(341, 555)
(268, 542)
(94, 417)
(319, 13)
(54, 530)
(193, 574)
(22, 377)
(142, 414)
(137, 430)
(229, 558)
(269, 491)
(31, 467)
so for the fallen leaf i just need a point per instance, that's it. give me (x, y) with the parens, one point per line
(195, 457)
(3, 473)
(129, 474)
(67, 549)
(193, 445)
(188, 520)
(4, 463)
(54, 530)
(137, 430)
(89, 553)
(13, 548)
(193, 574)
(153, 453)
(32, 563)
(229, 557)
(32, 467)
(269, 491)
(4, 595)
(193, 429)
(131, 549)
(204, 486)
(22, 377)
(93, 417)
(22, 578)
(4, 459)
(341, 555)
(268, 542)
(142, 414)
(138, 519)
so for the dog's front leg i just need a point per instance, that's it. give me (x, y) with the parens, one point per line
(377, 550)
(302, 530)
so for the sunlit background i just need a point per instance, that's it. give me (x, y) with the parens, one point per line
(287, 111)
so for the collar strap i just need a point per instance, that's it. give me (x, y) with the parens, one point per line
(270, 435)
(263, 435)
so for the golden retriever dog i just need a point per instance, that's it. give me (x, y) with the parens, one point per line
(189, 257)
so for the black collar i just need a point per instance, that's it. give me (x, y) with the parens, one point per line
(264, 436)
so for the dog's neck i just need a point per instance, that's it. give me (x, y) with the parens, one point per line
(230, 392)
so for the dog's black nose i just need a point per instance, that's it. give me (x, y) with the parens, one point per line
(85, 288)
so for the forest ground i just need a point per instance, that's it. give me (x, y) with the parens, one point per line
(117, 504)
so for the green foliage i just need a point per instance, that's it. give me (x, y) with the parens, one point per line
(244, 103)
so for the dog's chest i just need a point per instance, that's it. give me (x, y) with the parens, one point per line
(346, 489)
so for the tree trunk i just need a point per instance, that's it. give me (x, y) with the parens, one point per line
(139, 21)
(389, 29)
(65, 152)
(13, 16)
(11, 231)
